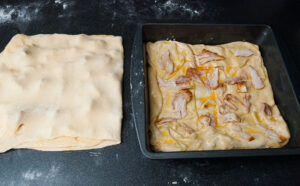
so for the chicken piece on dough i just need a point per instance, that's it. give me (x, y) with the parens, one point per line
(166, 63)
(207, 120)
(213, 81)
(244, 53)
(182, 79)
(194, 74)
(267, 109)
(256, 80)
(180, 102)
(207, 56)
(230, 117)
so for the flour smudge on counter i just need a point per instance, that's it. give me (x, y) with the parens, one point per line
(26, 12)
(31, 174)
(174, 6)
(95, 154)
(64, 4)
(19, 13)
(98, 160)
(159, 9)
(53, 171)
(35, 173)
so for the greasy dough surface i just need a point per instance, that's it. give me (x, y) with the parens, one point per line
(211, 97)
(61, 92)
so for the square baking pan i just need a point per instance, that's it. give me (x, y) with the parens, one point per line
(262, 35)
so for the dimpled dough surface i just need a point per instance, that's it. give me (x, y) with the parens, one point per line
(253, 129)
(61, 92)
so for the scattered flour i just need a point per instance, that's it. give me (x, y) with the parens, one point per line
(95, 154)
(131, 120)
(53, 171)
(31, 174)
(186, 179)
(164, 9)
(186, 175)
(172, 5)
(64, 3)
(98, 160)
(19, 13)
(26, 12)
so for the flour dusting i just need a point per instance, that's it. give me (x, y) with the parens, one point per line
(186, 175)
(63, 3)
(34, 173)
(31, 174)
(19, 13)
(53, 171)
(172, 5)
(179, 7)
(95, 154)
(186, 179)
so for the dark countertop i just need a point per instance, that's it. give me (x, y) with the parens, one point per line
(124, 164)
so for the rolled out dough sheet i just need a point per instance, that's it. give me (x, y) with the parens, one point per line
(61, 92)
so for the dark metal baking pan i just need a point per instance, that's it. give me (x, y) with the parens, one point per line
(261, 35)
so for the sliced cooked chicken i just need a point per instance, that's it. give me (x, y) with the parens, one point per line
(267, 109)
(237, 130)
(182, 79)
(242, 87)
(207, 103)
(186, 94)
(213, 81)
(220, 67)
(212, 121)
(271, 134)
(194, 74)
(187, 128)
(223, 109)
(163, 121)
(207, 56)
(256, 80)
(221, 89)
(244, 52)
(171, 84)
(230, 105)
(246, 102)
(167, 63)
(274, 136)
(167, 83)
(236, 79)
(230, 97)
(240, 81)
(230, 117)
(180, 102)
(207, 120)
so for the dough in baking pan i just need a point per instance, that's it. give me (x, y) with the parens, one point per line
(211, 98)
(61, 92)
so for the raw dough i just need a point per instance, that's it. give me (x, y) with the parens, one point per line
(213, 97)
(61, 92)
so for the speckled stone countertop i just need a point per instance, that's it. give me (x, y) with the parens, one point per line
(124, 164)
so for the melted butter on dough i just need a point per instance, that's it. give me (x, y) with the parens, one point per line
(250, 130)
(61, 92)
